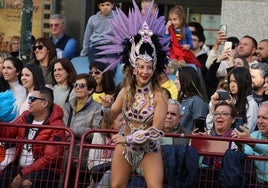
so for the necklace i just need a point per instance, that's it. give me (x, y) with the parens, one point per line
(139, 98)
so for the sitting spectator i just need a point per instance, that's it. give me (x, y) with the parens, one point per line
(14, 46)
(255, 148)
(45, 55)
(62, 81)
(65, 45)
(224, 118)
(12, 68)
(99, 160)
(82, 113)
(36, 165)
(172, 124)
(169, 85)
(191, 97)
(240, 94)
(105, 80)
(31, 78)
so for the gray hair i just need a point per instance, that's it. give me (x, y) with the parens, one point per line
(175, 102)
(60, 17)
(263, 67)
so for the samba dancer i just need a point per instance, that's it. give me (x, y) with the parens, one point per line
(140, 45)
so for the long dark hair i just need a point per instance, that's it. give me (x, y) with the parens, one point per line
(107, 82)
(243, 80)
(190, 83)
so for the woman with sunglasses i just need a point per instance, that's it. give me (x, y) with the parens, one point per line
(62, 81)
(82, 113)
(45, 55)
(31, 78)
(105, 80)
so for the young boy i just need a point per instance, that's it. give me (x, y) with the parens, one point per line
(97, 27)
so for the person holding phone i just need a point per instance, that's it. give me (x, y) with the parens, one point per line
(240, 94)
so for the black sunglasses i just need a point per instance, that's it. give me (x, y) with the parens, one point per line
(33, 98)
(39, 47)
(97, 72)
(77, 85)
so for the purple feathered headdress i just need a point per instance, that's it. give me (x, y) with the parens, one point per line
(133, 35)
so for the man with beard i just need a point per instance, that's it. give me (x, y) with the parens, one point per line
(258, 72)
(262, 51)
(247, 49)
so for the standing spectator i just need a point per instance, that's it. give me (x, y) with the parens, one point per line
(104, 79)
(198, 51)
(63, 78)
(65, 45)
(265, 86)
(195, 26)
(262, 51)
(45, 55)
(31, 78)
(12, 68)
(255, 148)
(247, 48)
(36, 165)
(97, 27)
(191, 97)
(257, 72)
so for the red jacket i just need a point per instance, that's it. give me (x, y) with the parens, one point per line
(46, 156)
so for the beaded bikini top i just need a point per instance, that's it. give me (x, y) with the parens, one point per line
(137, 113)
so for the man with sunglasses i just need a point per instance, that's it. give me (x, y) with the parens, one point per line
(36, 165)
(65, 45)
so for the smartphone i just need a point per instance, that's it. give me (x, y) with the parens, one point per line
(239, 122)
(200, 123)
(223, 28)
(223, 95)
(227, 45)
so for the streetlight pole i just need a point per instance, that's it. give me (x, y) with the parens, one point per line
(26, 30)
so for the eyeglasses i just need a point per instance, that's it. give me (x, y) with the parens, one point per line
(55, 25)
(33, 98)
(39, 47)
(77, 85)
(224, 114)
(97, 72)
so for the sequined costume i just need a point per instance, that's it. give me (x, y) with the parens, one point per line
(134, 152)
